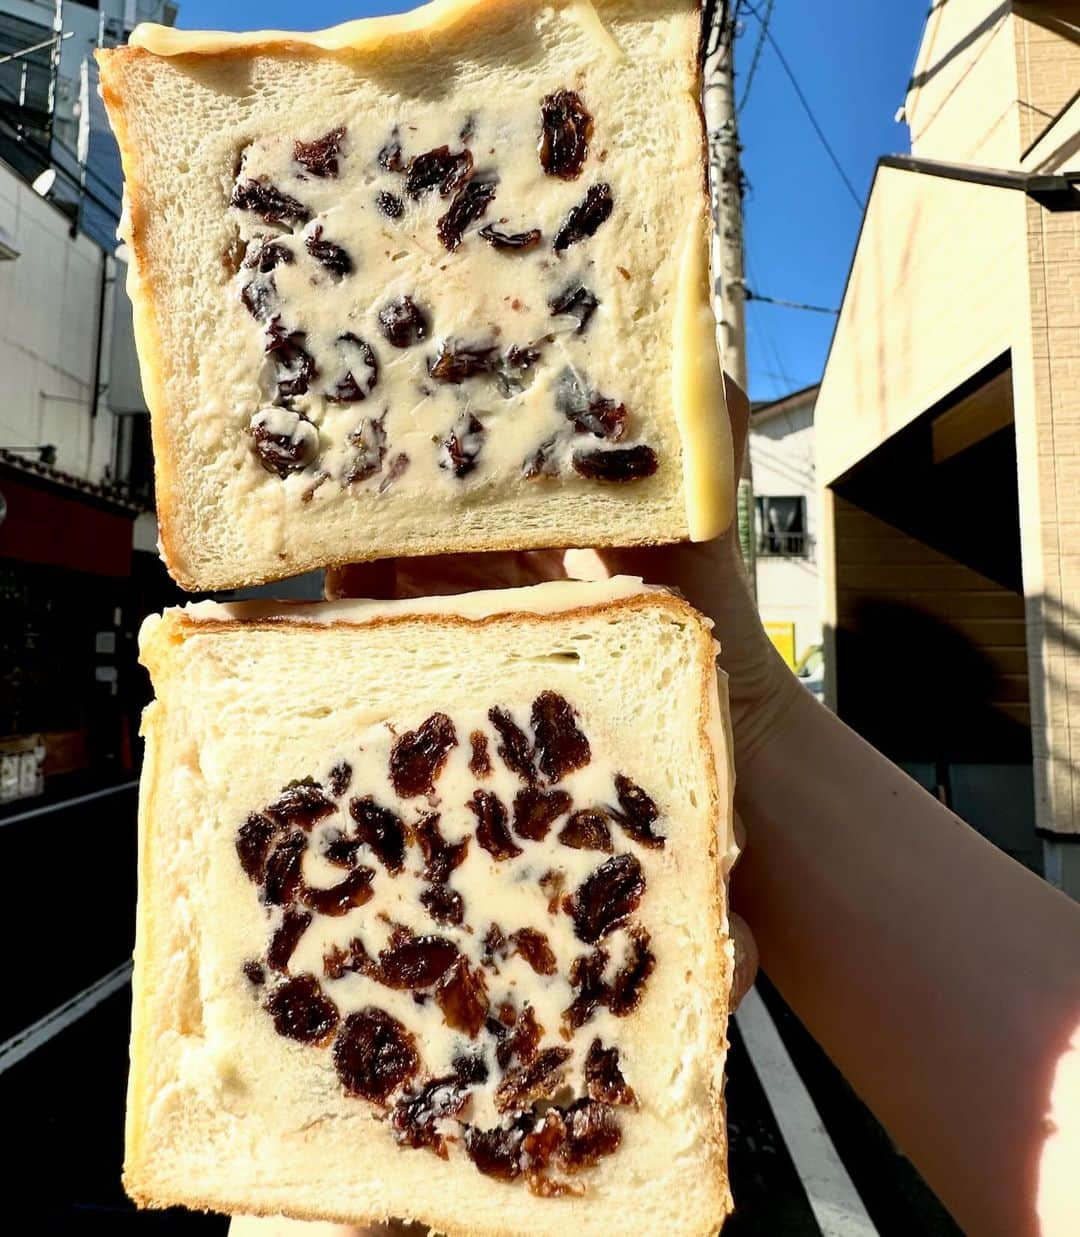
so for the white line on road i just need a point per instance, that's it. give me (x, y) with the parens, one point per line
(39, 1033)
(56, 807)
(836, 1204)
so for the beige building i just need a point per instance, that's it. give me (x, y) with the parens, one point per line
(948, 434)
(787, 521)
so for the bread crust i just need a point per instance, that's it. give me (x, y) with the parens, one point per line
(712, 731)
(146, 288)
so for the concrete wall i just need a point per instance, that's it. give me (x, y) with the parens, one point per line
(49, 298)
(782, 455)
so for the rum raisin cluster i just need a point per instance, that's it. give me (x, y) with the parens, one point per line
(558, 1117)
(346, 370)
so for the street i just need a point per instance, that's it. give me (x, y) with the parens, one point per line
(806, 1157)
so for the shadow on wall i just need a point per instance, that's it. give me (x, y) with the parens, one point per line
(930, 699)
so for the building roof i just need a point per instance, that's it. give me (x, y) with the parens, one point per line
(110, 494)
(761, 409)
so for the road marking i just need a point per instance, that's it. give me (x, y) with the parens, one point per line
(33, 1037)
(833, 1198)
(57, 807)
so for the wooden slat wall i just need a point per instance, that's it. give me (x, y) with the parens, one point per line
(875, 561)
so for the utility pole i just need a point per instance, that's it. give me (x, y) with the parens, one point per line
(726, 184)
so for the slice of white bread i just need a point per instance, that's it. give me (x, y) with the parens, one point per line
(250, 1094)
(343, 358)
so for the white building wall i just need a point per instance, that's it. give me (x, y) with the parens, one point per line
(49, 298)
(782, 457)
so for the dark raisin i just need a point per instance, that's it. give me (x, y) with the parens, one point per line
(460, 450)
(339, 778)
(560, 746)
(536, 810)
(538, 1080)
(339, 899)
(440, 856)
(587, 830)
(470, 203)
(390, 156)
(455, 361)
(585, 218)
(284, 441)
(361, 370)
(266, 255)
(575, 301)
(496, 1152)
(494, 946)
(301, 1011)
(552, 883)
(260, 298)
(416, 963)
(566, 130)
(629, 984)
(320, 157)
(255, 973)
(479, 761)
(369, 439)
(374, 1054)
(443, 904)
(491, 825)
(390, 204)
(439, 169)
(286, 938)
(603, 1077)
(301, 803)
(339, 849)
(414, 1116)
(282, 875)
(519, 1040)
(514, 369)
(328, 254)
(534, 948)
(542, 462)
(336, 960)
(296, 366)
(253, 840)
(403, 323)
(468, 129)
(461, 994)
(638, 814)
(269, 202)
(622, 464)
(470, 1067)
(511, 242)
(417, 757)
(515, 749)
(589, 411)
(607, 897)
(592, 1131)
(587, 977)
(380, 829)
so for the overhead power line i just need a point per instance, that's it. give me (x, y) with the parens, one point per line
(767, 33)
(758, 48)
(751, 295)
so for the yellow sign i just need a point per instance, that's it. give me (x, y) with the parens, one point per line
(783, 637)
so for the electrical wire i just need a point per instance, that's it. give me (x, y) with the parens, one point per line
(776, 300)
(758, 48)
(806, 107)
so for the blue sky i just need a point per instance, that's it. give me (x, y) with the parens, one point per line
(852, 59)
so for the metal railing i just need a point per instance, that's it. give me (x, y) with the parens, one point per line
(783, 545)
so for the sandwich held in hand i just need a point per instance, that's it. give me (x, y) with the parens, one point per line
(432, 916)
(426, 283)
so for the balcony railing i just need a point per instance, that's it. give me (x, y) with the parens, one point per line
(783, 545)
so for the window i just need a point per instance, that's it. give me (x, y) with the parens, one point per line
(781, 526)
